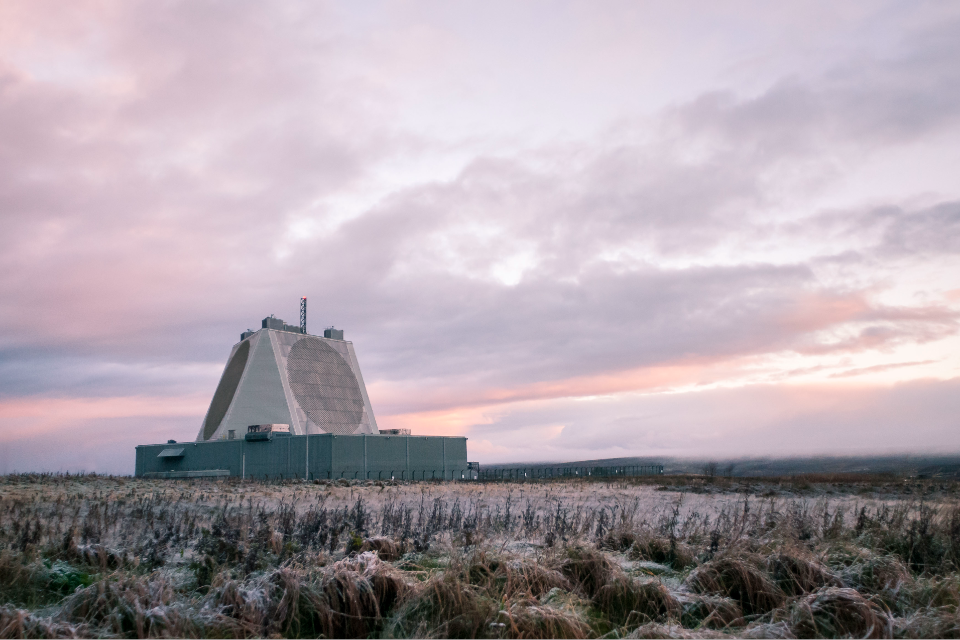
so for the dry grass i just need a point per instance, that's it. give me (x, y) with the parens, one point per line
(386, 548)
(796, 573)
(90, 556)
(663, 551)
(836, 612)
(626, 600)
(588, 569)
(711, 612)
(445, 607)
(17, 623)
(739, 578)
(530, 619)
(657, 630)
(507, 578)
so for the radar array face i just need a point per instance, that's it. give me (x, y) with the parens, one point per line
(278, 376)
(324, 386)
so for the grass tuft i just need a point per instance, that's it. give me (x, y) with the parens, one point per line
(527, 618)
(588, 569)
(18, 623)
(387, 548)
(739, 579)
(796, 574)
(657, 630)
(445, 607)
(713, 612)
(663, 551)
(625, 599)
(836, 612)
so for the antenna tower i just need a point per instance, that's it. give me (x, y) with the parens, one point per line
(303, 314)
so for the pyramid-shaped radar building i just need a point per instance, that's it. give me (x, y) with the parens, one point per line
(279, 375)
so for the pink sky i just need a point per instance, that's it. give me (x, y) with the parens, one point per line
(564, 230)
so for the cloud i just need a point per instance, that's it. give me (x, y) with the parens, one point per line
(173, 172)
(878, 368)
(776, 420)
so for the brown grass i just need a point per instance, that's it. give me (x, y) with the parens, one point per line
(657, 630)
(713, 612)
(767, 630)
(529, 619)
(444, 607)
(797, 573)
(504, 577)
(625, 599)
(387, 548)
(588, 569)
(17, 623)
(928, 622)
(870, 573)
(122, 557)
(737, 578)
(836, 612)
(128, 605)
(661, 550)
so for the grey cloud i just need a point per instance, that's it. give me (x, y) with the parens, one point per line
(924, 233)
(865, 103)
(915, 417)
(142, 229)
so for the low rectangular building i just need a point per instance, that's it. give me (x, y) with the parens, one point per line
(321, 456)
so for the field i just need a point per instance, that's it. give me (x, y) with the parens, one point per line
(671, 556)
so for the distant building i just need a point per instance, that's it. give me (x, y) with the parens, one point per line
(294, 405)
(278, 375)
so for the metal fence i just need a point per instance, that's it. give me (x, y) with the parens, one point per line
(536, 473)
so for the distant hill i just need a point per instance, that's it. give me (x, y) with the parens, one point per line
(946, 466)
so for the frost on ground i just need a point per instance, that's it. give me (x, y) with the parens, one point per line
(840, 556)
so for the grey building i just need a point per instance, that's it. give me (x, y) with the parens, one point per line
(278, 375)
(294, 405)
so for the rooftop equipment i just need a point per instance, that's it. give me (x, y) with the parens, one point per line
(303, 315)
(266, 431)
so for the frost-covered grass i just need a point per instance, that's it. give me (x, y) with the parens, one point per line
(824, 556)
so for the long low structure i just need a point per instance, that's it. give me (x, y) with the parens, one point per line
(320, 456)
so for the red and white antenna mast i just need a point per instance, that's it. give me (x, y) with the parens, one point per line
(303, 314)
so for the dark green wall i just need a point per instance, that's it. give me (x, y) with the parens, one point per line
(329, 456)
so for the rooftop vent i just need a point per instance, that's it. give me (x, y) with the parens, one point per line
(273, 323)
(279, 325)
(333, 334)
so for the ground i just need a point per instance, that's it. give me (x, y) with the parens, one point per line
(671, 556)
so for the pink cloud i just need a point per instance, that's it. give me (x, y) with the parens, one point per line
(494, 230)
